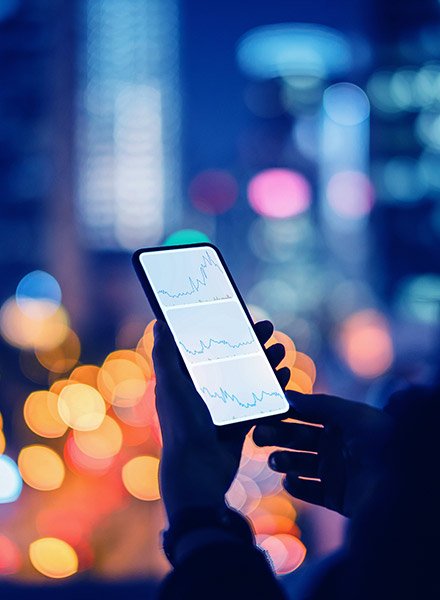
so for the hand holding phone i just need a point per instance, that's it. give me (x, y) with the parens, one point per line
(191, 289)
(198, 465)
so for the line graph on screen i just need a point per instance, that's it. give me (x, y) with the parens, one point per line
(195, 277)
(226, 396)
(203, 346)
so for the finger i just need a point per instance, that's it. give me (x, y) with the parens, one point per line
(165, 353)
(283, 376)
(288, 435)
(275, 354)
(321, 408)
(304, 489)
(263, 331)
(302, 463)
(171, 378)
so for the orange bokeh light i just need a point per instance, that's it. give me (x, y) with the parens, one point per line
(305, 363)
(123, 378)
(41, 414)
(85, 374)
(365, 343)
(53, 557)
(81, 463)
(41, 467)
(37, 328)
(299, 379)
(141, 477)
(2, 442)
(63, 357)
(103, 442)
(81, 407)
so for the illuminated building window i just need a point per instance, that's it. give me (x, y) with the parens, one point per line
(128, 122)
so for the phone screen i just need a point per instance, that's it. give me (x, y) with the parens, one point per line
(213, 333)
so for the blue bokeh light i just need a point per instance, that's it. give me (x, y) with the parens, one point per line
(10, 480)
(346, 104)
(38, 285)
(294, 49)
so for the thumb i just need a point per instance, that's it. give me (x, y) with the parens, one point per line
(319, 408)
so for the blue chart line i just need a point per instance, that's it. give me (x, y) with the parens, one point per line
(225, 396)
(211, 342)
(194, 284)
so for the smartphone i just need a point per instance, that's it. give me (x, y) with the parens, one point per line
(191, 288)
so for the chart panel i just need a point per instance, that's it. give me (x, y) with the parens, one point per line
(237, 389)
(213, 331)
(187, 276)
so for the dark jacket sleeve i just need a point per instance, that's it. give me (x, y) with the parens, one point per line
(227, 570)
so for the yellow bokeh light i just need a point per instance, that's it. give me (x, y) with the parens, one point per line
(1, 421)
(38, 328)
(81, 407)
(41, 467)
(103, 442)
(41, 414)
(141, 477)
(123, 381)
(53, 557)
(2, 442)
(63, 357)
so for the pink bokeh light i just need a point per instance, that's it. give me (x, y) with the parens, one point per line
(279, 193)
(350, 194)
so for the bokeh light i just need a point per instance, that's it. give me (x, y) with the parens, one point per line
(44, 330)
(38, 285)
(63, 357)
(41, 414)
(346, 104)
(103, 442)
(81, 407)
(123, 377)
(294, 49)
(53, 557)
(186, 236)
(418, 298)
(350, 194)
(287, 552)
(401, 179)
(213, 191)
(81, 463)
(279, 193)
(2, 442)
(87, 374)
(10, 557)
(41, 467)
(10, 480)
(365, 343)
(140, 476)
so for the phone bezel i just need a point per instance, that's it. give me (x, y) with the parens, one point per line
(230, 427)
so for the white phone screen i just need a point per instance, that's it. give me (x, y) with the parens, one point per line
(212, 331)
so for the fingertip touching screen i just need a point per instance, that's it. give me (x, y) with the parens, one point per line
(213, 333)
